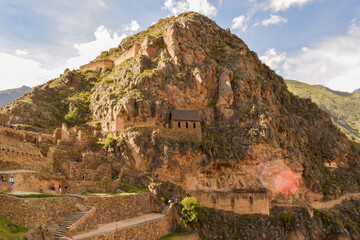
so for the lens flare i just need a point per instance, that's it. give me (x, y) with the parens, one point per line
(286, 182)
(276, 176)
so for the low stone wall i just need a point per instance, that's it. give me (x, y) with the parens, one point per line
(30, 182)
(149, 231)
(121, 123)
(32, 212)
(127, 54)
(23, 156)
(5, 187)
(240, 203)
(79, 186)
(119, 207)
(78, 173)
(11, 134)
(96, 65)
(90, 161)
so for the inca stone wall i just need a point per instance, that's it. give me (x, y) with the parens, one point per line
(119, 207)
(240, 203)
(32, 212)
(96, 65)
(149, 231)
(128, 54)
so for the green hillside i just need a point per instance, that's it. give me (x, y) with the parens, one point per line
(344, 108)
(9, 95)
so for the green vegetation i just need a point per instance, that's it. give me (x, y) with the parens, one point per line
(175, 236)
(37, 196)
(343, 107)
(14, 232)
(218, 143)
(108, 55)
(133, 188)
(109, 144)
(192, 211)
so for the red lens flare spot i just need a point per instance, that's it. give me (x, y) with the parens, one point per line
(286, 182)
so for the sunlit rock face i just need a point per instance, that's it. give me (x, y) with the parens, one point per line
(255, 133)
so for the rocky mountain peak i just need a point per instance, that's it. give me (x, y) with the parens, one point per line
(248, 116)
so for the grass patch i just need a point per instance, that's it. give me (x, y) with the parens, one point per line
(133, 188)
(17, 232)
(36, 196)
(175, 236)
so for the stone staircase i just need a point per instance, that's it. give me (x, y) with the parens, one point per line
(62, 230)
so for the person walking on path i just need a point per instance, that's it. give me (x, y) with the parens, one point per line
(59, 189)
(12, 181)
(53, 186)
(66, 190)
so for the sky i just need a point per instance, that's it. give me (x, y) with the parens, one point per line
(313, 41)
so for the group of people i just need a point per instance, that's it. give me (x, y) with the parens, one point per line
(53, 188)
(11, 180)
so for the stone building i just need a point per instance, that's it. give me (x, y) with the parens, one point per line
(188, 120)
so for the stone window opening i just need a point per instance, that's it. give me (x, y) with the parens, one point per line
(179, 125)
(251, 200)
(187, 125)
(194, 125)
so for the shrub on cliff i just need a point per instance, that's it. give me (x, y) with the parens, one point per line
(192, 211)
(109, 144)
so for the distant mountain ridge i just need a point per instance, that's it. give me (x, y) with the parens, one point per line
(343, 107)
(9, 95)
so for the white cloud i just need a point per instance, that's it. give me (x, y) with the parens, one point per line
(201, 6)
(240, 23)
(282, 5)
(89, 50)
(274, 19)
(20, 71)
(131, 27)
(101, 3)
(21, 52)
(34, 73)
(274, 60)
(334, 62)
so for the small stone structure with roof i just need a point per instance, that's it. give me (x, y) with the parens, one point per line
(186, 120)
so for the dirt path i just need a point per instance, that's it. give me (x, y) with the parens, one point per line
(333, 203)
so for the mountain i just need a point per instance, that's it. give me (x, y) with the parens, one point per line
(255, 134)
(248, 116)
(9, 95)
(343, 107)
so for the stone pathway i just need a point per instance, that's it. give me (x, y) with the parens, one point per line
(17, 171)
(22, 193)
(110, 227)
(62, 230)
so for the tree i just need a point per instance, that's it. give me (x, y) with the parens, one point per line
(192, 211)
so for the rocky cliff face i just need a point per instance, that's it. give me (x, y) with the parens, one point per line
(256, 133)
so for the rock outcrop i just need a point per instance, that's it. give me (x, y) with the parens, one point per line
(255, 131)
